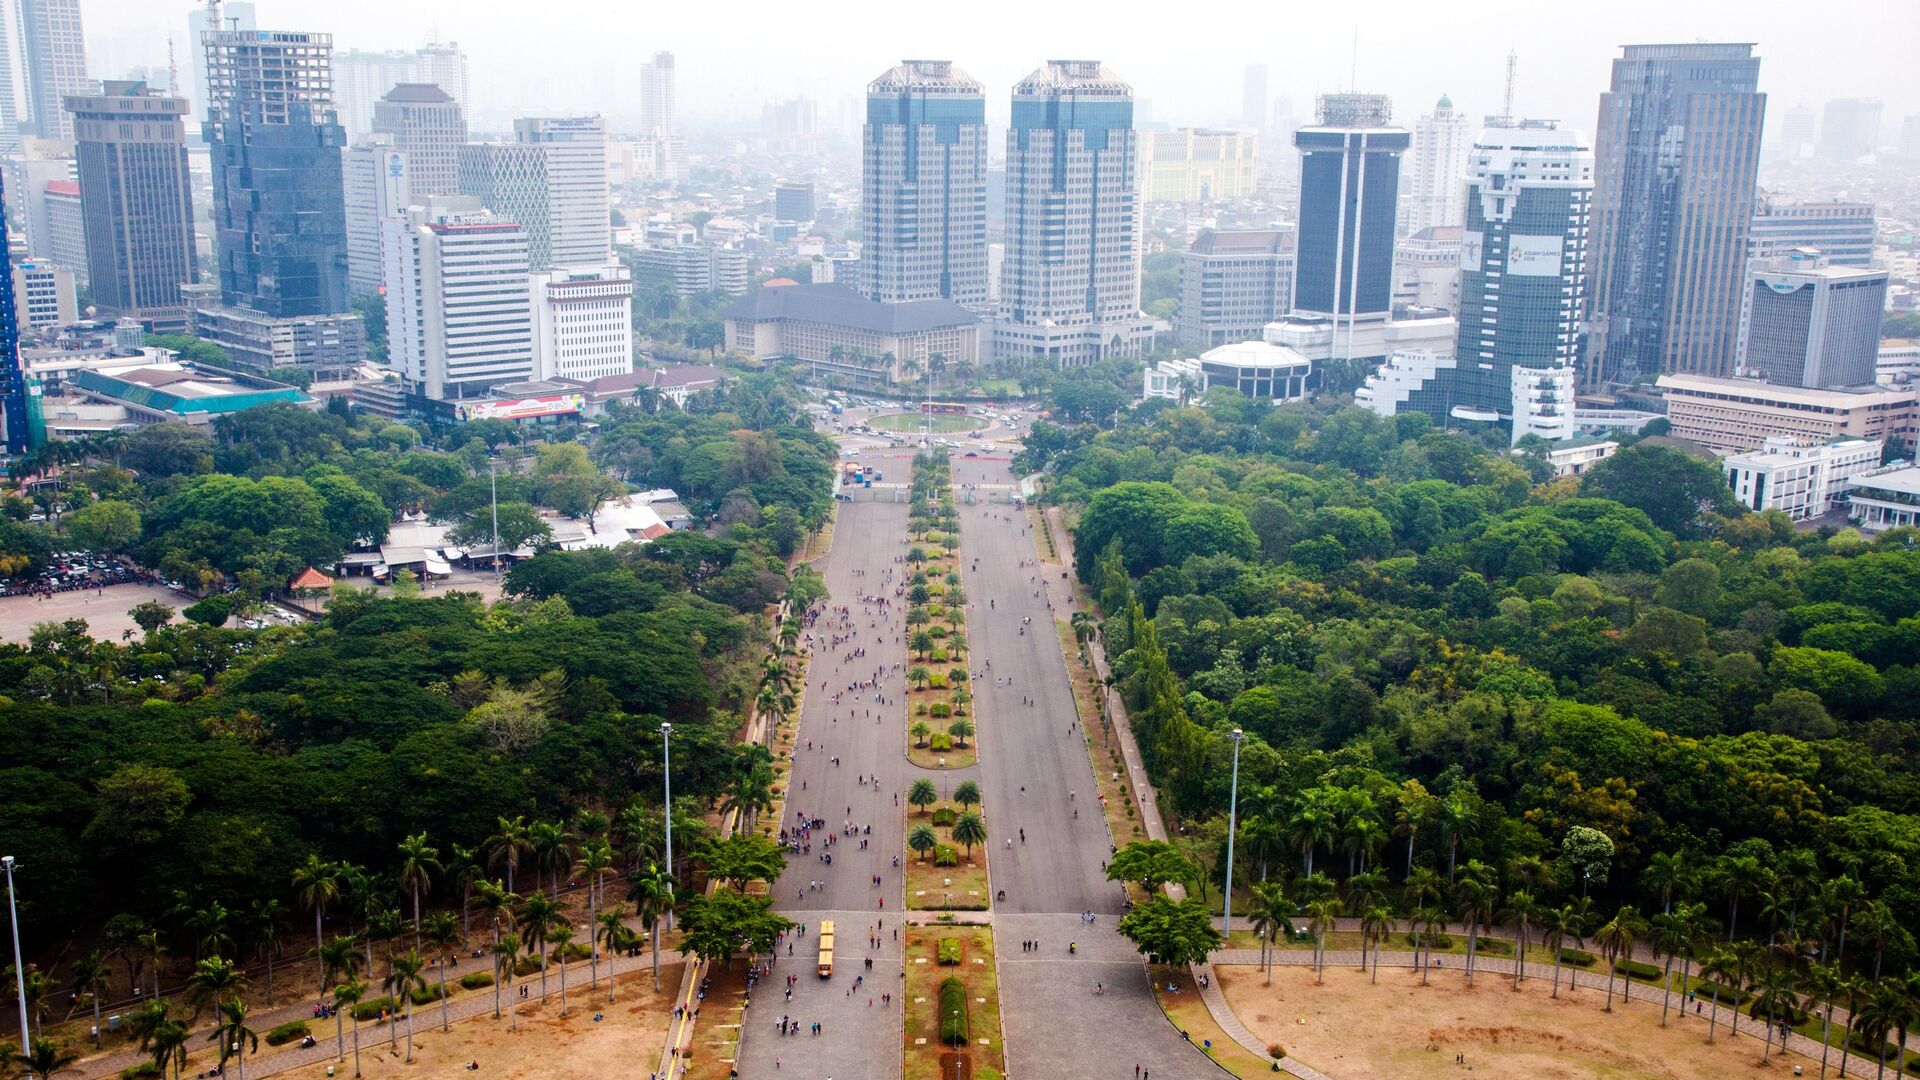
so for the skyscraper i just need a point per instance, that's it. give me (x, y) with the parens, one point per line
(459, 309)
(360, 79)
(56, 62)
(1253, 98)
(551, 179)
(1807, 322)
(1676, 152)
(427, 126)
(1349, 188)
(923, 191)
(656, 97)
(236, 15)
(1070, 284)
(136, 197)
(14, 110)
(1437, 168)
(13, 381)
(1850, 129)
(377, 184)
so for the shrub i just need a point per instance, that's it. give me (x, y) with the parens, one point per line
(1577, 958)
(286, 1033)
(937, 682)
(945, 855)
(1494, 947)
(1440, 942)
(949, 951)
(575, 950)
(426, 995)
(945, 816)
(1705, 990)
(372, 1008)
(920, 709)
(953, 1012)
(476, 980)
(1634, 969)
(942, 742)
(941, 710)
(140, 1071)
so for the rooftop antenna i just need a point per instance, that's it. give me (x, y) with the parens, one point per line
(173, 70)
(213, 15)
(1513, 63)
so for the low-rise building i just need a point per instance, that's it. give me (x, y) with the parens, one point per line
(1801, 480)
(842, 334)
(693, 269)
(1898, 361)
(180, 391)
(327, 345)
(1884, 500)
(1574, 457)
(1256, 369)
(1733, 415)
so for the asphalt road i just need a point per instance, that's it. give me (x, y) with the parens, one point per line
(858, 1041)
(1033, 770)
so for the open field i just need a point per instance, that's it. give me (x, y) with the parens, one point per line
(914, 423)
(1352, 1028)
(105, 610)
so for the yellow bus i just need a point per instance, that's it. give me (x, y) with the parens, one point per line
(826, 948)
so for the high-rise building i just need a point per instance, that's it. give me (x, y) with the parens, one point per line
(1850, 129)
(67, 228)
(136, 198)
(235, 15)
(1070, 284)
(361, 79)
(1676, 152)
(28, 175)
(377, 184)
(44, 295)
(1197, 164)
(13, 381)
(15, 112)
(1799, 134)
(56, 63)
(1910, 138)
(429, 127)
(583, 322)
(1841, 231)
(656, 97)
(551, 179)
(1523, 263)
(1437, 169)
(1426, 269)
(1232, 284)
(1253, 98)
(793, 200)
(459, 313)
(1806, 322)
(1349, 189)
(923, 191)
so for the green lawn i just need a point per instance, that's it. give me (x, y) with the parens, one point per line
(914, 423)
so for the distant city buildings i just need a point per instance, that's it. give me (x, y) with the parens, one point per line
(1232, 284)
(1676, 154)
(1070, 284)
(136, 201)
(1842, 231)
(1850, 129)
(65, 239)
(793, 200)
(1808, 323)
(361, 79)
(56, 63)
(693, 268)
(459, 310)
(656, 97)
(1198, 164)
(429, 127)
(1437, 169)
(1253, 98)
(923, 194)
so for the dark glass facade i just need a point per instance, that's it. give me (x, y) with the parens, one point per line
(1349, 192)
(279, 212)
(13, 382)
(136, 197)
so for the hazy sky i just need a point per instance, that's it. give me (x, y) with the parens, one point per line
(1187, 59)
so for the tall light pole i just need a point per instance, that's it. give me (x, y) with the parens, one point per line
(19, 968)
(1233, 808)
(493, 499)
(666, 776)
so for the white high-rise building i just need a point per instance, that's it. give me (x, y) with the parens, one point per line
(551, 179)
(656, 97)
(376, 182)
(1437, 169)
(428, 125)
(1070, 284)
(923, 189)
(56, 63)
(459, 313)
(442, 64)
(583, 322)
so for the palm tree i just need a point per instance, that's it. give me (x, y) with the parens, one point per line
(1884, 1009)
(444, 939)
(1776, 997)
(233, 1035)
(497, 904)
(1723, 968)
(90, 979)
(402, 980)
(560, 937)
(1668, 937)
(1320, 919)
(346, 999)
(47, 1058)
(538, 916)
(596, 856)
(610, 931)
(1667, 871)
(967, 794)
(1309, 828)
(1430, 922)
(213, 979)
(317, 884)
(1824, 983)
(1521, 911)
(1456, 819)
(1617, 938)
(651, 890)
(1376, 926)
(1272, 914)
(339, 956)
(169, 1039)
(1555, 926)
(419, 861)
(506, 954)
(1739, 876)
(509, 844)
(921, 793)
(1473, 896)
(462, 870)
(552, 850)
(265, 921)
(970, 829)
(922, 839)
(960, 730)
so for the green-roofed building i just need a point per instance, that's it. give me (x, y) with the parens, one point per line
(190, 393)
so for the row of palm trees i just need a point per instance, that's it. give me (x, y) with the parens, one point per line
(1784, 976)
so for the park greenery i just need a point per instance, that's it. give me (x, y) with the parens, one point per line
(1615, 708)
(181, 795)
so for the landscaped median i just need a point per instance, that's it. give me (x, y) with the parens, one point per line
(952, 1004)
(946, 849)
(939, 700)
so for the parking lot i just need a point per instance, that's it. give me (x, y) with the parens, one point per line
(105, 609)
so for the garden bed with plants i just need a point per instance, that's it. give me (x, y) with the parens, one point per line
(951, 1001)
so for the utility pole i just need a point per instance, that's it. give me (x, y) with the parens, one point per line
(493, 498)
(19, 967)
(666, 775)
(1233, 808)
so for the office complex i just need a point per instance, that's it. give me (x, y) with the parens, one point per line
(551, 179)
(459, 315)
(845, 336)
(1676, 152)
(1349, 191)
(1523, 262)
(1232, 284)
(1070, 285)
(582, 322)
(1801, 480)
(1437, 169)
(56, 63)
(1808, 323)
(43, 295)
(793, 200)
(429, 127)
(1731, 415)
(656, 97)
(279, 216)
(1197, 164)
(923, 187)
(1842, 231)
(1850, 129)
(136, 200)
(376, 184)
(361, 79)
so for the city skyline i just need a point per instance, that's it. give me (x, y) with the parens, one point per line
(1198, 81)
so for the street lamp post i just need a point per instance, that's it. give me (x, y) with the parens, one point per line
(493, 499)
(1233, 808)
(19, 968)
(666, 776)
